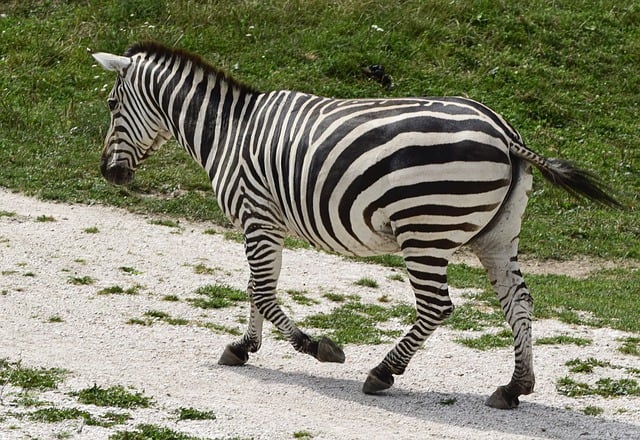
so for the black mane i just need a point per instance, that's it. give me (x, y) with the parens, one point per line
(159, 49)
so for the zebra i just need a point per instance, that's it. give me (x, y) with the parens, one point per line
(419, 176)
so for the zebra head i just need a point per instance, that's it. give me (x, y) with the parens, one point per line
(136, 130)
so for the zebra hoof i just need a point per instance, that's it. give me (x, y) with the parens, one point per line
(377, 380)
(233, 356)
(328, 351)
(501, 399)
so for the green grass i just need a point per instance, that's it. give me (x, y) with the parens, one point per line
(563, 74)
(591, 410)
(367, 282)
(30, 378)
(130, 270)
(81, 281)
(165, 222)
(118, 290)
(117, 396)
(45, 219)
(487, 341)
(301, 297)
(152, 432)
(608, 298)
(216, 296)
(630, 345)
(604, 387)
(563, 340)
(195, 414)
(202, 269)
(56, 415)
(358, 323)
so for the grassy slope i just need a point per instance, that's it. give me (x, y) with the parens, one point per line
(565, 75)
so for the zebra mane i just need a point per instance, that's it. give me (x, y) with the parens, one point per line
(159, 49)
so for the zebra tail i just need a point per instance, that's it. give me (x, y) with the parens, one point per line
(564, 174)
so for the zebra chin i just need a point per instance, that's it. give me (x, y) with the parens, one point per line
(116, 174)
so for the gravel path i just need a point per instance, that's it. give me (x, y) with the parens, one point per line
(280, 394)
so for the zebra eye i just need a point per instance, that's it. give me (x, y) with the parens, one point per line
(112, 103)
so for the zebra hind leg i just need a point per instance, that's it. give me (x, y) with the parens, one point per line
(497, 248)
(428, 277)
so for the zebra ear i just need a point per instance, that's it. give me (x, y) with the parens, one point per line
(112, 62)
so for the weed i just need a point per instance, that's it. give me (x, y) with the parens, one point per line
(303, 435)
(171, 298)
(448, 401)
(29, 274)
(219, 328)
(604, 387)
(81, 281)
(7, 214)
(468, 316)
(301, 298)
(335, 297)
(585, 366)
(367, 282)
(30, 378)
(117, 395)
(91, 230)
(395, 277)
(357, 323)
(139, 321)
(165, 222)
(55, 319)
(216, 296)
(45, 219)
(117, 290)
(55, 415)
(592, 410)
(630, 345)
(563, 340)
(152, 432)
(157, 314)
(130, 270)
(195, 414)
(488, 341)
(233, 235)
(201, 269)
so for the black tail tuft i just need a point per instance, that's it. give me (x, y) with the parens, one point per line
(578, 182)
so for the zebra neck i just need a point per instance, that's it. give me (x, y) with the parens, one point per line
(205, 113)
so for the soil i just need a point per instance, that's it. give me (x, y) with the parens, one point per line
(280, 394)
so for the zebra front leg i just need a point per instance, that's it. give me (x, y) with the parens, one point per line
(264, 254)
(428, 278)
(237, 353)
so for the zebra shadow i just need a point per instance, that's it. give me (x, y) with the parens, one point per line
(466, 410)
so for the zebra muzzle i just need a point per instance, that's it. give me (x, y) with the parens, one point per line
(117, 174)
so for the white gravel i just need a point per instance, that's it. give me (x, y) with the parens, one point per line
(280, 392)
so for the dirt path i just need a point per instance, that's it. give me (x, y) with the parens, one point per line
(280, 393)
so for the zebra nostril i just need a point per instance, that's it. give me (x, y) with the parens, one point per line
(117, 174)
